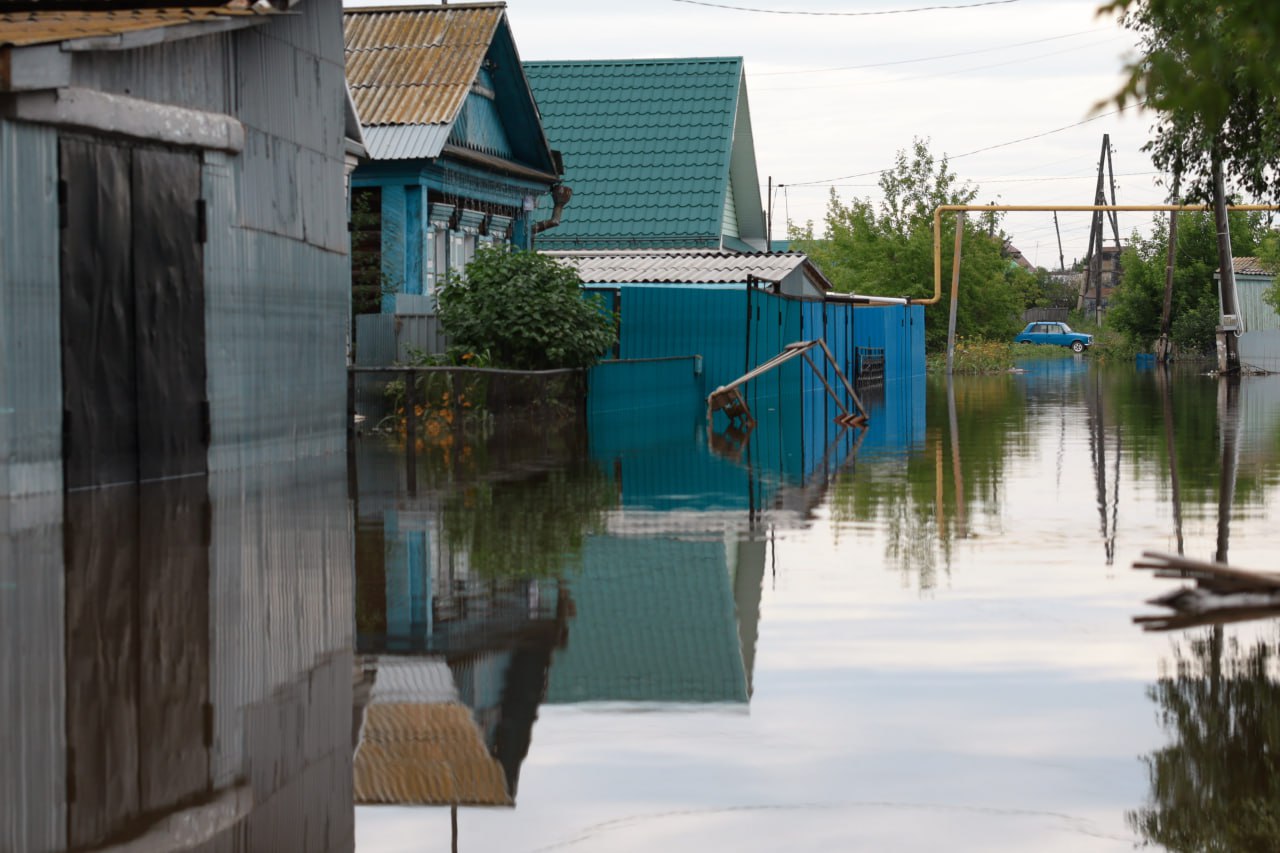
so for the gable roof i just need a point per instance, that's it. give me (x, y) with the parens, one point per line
(658, 152)
(412, 69)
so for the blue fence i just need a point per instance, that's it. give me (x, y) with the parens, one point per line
(655, 395)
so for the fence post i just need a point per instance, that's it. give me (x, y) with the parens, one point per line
(410, 432)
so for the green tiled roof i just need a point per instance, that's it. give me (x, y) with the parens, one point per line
(647, 146)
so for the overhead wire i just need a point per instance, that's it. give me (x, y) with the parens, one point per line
(864, 14)
(951, 157)
(922, 58)
(950, 73)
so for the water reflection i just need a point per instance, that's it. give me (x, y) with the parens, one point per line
(1215, 786)
(547, 564)
(177, 664)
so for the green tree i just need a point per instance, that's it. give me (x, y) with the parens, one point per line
(1138, 302)
(887, 250)
(1269, 255)
(1211, 71)
(525, 310)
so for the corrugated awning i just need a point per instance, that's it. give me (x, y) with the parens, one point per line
(43, 26)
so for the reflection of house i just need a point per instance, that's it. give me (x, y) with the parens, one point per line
(659, 153)
(457, 155)
(1260, 338)
(436, 635)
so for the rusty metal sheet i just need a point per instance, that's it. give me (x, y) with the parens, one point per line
(22, 29)
(415, 67)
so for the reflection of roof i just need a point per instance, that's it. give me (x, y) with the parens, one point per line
(42, 26)
(425, 754)
(706, 266)
(655, 623)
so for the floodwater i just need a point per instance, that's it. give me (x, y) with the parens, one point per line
(917, 638)
(628, 635)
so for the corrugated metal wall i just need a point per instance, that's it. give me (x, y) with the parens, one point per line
(30, 353)
(670, 388)
(795, 435)
(277, 294)
(1260, 343)
(32, 675)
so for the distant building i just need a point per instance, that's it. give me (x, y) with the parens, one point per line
(1105, 274)
(1258, 322)
(1016, 257)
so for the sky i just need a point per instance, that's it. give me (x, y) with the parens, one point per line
(835, 91)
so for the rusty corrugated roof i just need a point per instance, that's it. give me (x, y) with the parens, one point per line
(425, 754)
(416, 66)
(22, 29)
(1249, 265)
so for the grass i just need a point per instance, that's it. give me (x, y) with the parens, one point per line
(975, 356)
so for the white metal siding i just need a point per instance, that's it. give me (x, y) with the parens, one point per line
(30, 352)
(729, 222)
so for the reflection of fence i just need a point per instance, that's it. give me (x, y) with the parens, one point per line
(432, 402)
(410, 394)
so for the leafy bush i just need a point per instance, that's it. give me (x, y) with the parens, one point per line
(525, 310)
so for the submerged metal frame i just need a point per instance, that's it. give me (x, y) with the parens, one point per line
(729, 399)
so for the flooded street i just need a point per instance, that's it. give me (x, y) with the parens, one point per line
(628, 634)
(915, 639)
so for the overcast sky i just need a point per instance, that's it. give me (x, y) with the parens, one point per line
(964, 78)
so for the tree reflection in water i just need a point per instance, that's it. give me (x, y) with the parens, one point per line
(1215, 787)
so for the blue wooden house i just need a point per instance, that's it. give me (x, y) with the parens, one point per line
(457, 154)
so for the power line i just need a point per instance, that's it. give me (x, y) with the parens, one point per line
(847, 14)
(923, 58)
(981, 150)
(948, 74)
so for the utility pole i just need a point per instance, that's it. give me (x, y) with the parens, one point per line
(1093, 260)
(1227, 276)
(1062, 264)
(768, 219)
(1166, 313)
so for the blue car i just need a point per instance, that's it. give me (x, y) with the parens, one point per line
(1059, 334)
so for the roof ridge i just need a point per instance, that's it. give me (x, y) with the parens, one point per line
(424, 7)
(651, 60)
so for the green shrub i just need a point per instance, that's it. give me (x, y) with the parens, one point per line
(526, 311)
